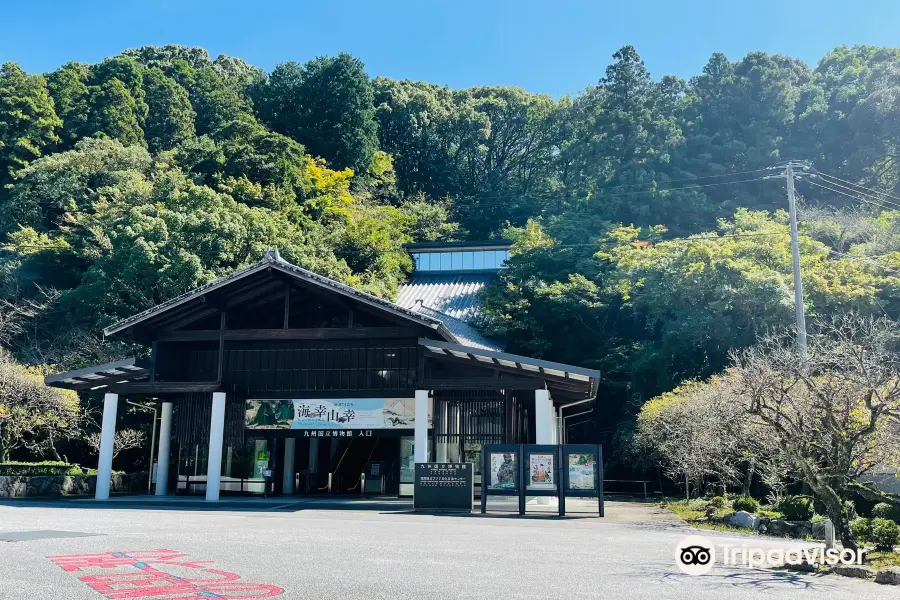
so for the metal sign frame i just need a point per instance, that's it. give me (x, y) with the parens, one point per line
(568, 449)
(514, 449)
(561, 474)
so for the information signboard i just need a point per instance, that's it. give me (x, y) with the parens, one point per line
(525, 470)
(444, 487)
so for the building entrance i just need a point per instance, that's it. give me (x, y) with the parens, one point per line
(314, 465)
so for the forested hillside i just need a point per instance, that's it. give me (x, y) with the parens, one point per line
(127, 182)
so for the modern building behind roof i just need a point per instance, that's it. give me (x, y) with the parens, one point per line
(252, 370)
(446, 283)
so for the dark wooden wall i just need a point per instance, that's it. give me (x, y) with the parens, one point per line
(284, 366)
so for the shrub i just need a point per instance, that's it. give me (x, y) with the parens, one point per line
(719, 502)
(883, 510)
(850, 508)
(797, 508)
(34, 469)
(885, 534)
(746, 503)
(861, 529)
(698, 504)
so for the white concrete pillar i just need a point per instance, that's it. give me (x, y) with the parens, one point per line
(420, 440)
(290, 445)
(543, 417)
(442, 448)
(165, 445)
(216, 439)
(107, 441)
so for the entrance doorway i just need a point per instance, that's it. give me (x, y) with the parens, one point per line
(335, 465)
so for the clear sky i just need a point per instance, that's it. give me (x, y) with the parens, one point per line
(555, 47)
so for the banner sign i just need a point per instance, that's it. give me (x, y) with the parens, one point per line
(444, 486)
(333, 413)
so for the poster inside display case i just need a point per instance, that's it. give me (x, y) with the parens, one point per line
(582, 471)
(540, 471)
(503, 471)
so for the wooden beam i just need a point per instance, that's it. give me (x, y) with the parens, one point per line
(221, 346)
(319, 333)
(170, 387)
(287, 304)
(552, 380)
(484, 383)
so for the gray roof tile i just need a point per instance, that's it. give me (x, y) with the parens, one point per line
(452, 299)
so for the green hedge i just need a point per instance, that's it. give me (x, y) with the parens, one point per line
(47, 467)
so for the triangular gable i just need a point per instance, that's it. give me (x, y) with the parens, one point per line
(275, 262)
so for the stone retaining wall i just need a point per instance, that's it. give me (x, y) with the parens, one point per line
(19, 486)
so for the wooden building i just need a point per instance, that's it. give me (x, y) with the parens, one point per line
(253, 370)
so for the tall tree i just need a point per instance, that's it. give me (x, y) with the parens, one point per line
(69, 87)
(327, 105)
(170, 118)
(115, 113)
(28, 122)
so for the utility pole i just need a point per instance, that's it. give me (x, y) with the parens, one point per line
(795, 254)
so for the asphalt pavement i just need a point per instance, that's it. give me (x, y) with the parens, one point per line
(68, 550)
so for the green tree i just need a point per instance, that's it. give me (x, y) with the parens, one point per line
(170, 119)
(28, 123)
(115, 114)
(326, 104)
(69, 87)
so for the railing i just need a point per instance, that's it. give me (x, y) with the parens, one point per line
(196, 484)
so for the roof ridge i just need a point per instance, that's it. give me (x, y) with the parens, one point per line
(271, 259)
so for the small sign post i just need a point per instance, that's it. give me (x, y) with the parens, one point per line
(444, 487)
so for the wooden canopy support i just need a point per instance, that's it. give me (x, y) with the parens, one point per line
(161, 388)
(349, 333)
(484, 383)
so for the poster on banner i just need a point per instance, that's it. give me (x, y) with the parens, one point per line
(332, 413)
(502, 468)
(582, 475)
(541, 472)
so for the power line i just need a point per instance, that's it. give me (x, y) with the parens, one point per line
(691, 240)
(818, 172)
(599, 195)
(691, 178)
(855, 197)
(876, 198)
(863, 260)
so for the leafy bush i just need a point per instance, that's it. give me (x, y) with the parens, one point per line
(797, 508)
(885, 534)
(746, 503)
(698, 504)
(861, 528)
(850, 508)
(719, 502)
(34, 469)
(883, 510)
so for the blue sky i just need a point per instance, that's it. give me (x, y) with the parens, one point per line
(555, 47)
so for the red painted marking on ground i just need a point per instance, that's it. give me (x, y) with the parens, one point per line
(144, 574)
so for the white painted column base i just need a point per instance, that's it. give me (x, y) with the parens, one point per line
(107, 442)
(216, 440)
(165, 445)
(543, 426)
(420, 440)
(290, 445)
